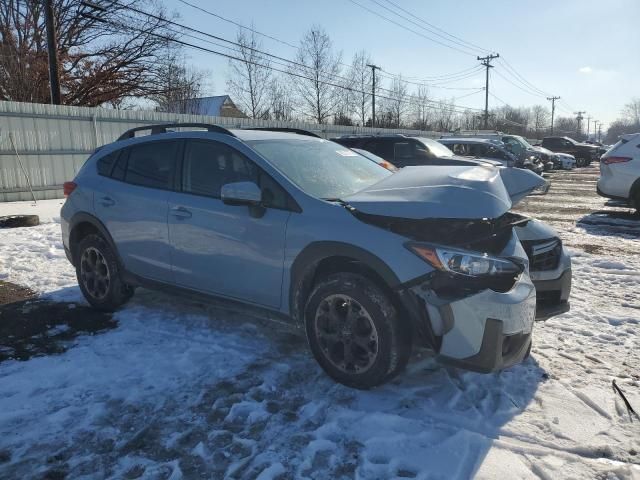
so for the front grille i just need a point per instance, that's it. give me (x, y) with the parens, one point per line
(543, 254)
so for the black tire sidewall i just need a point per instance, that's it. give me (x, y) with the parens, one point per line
(17, 221)
(118, 292)
(393, 341)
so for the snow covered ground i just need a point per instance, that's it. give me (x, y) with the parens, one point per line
(186, 390)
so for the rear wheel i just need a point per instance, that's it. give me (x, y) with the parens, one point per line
(99, 276)
(354, 331)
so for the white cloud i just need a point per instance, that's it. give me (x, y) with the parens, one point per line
(586, 70)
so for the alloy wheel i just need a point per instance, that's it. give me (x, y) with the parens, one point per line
(94, 272)
(346, 334)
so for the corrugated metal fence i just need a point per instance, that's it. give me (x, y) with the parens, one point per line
(43, 146)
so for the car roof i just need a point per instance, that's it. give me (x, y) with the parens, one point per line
(630, 136)
(468, 140)
(247, 134)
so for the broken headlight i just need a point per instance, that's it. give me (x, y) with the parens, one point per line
(461, 262)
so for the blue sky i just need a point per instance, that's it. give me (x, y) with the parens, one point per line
(585, 51)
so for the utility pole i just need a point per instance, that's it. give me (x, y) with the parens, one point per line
(553, 110)
(588, 122)
(52, 48)
(595, 129)
(579, 118)
(600, 132)
(486, 61)
(373, 93)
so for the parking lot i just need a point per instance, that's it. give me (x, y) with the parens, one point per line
(170, 388)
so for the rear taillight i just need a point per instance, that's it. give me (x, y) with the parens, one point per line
(610, 160)
(69, 187)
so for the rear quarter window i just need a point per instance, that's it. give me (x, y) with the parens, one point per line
(105, 164)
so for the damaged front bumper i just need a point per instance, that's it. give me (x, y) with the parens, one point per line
(485, 331)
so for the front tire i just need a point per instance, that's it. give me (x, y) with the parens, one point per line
(99, 276)
(354, 331)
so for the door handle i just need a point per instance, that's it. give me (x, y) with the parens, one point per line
(107, 201)
(180, 212)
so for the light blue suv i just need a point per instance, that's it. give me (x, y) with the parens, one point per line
(367, 262)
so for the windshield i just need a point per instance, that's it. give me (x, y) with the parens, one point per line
(321, 168)
(524, 142)
(436, 148)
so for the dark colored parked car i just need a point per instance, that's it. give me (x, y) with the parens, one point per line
(481, 148)
(583, 152)
(403, 150)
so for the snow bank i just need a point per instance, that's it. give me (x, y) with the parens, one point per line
(181, 389)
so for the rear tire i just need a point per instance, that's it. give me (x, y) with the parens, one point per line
(99, 276)
(354, 331)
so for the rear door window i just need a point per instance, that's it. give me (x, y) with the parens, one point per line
(152, 164)
(403, 151)
(383, 147)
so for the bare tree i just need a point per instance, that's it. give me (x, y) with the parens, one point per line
(566, 126)
(541, 118)
(318, 97)
(178, 85)
(280, 99)
(104, 57)
(361, 80)
(398, 101)
(421, 106)
(631, 111)
(250, 78)
(445, 116)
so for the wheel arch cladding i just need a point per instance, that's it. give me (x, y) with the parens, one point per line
(324, 258)
(83, 224)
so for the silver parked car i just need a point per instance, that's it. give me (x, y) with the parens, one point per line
(368, 263)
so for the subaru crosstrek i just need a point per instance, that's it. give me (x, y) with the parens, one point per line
(367, 262)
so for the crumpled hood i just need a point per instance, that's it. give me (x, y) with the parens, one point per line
(456, 192)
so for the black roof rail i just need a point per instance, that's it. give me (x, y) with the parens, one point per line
(299, 131)
(163, 127)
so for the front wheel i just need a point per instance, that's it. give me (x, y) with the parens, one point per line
(354, 331)
(98, 274)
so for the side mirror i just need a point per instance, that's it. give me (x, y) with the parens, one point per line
(241, 193)
(244, 193)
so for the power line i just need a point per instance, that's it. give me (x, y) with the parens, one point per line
(437, 85)
(509, 68)
(498, 98)
(517, 86)
(427, 79)
(239, 25)
(288, 65)
(421, 26)
(407, 28)
(438, 28)
(293, 74)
